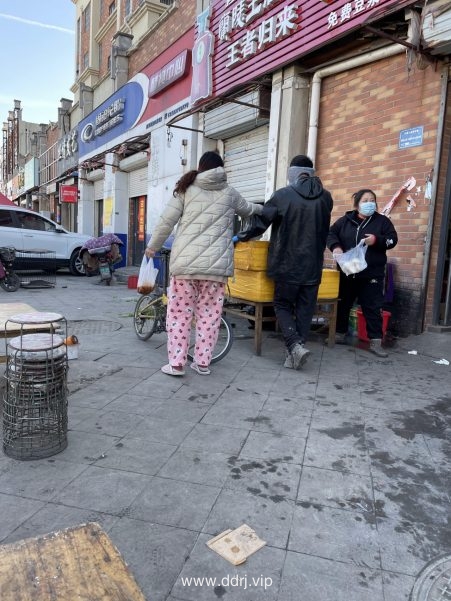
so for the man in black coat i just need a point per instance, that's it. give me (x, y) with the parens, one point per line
(300, 217)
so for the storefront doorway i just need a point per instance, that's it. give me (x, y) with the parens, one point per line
(137, 233)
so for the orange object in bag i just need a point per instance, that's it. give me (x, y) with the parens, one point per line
(147, 276)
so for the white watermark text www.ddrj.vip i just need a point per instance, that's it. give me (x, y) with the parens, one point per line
(240, 581)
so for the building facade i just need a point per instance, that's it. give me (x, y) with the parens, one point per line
(125, 93)
(356, 86)
(22, 144)
(362, 87)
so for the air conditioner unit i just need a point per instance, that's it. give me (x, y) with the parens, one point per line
(436, 30)
(135, 161)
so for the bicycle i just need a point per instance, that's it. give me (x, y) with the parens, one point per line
(150, 315)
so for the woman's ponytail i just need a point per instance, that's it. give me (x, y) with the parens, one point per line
(185, 182)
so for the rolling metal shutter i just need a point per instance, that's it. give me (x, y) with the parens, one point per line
(137, 182)
(98, 189)
(245, 162)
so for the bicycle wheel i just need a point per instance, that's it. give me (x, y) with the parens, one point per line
(223, 345)
(147, 311)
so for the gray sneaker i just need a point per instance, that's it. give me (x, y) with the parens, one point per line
(299, 355)
(376, 348)
(288, 360)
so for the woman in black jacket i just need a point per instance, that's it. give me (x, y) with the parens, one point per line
(379, 234)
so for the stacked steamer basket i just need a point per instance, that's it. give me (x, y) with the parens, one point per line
(35, 398)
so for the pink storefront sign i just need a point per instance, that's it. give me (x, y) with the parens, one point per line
(254, 37)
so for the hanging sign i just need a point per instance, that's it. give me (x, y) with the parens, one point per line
(68, 194)
(141, 218)
(254, 37)
(177, 68)
(113, 117)
(202, 83)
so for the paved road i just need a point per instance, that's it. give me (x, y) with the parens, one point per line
(343, 468)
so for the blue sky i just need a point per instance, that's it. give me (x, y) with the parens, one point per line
(37, 47)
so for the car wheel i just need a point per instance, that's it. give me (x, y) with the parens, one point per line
(76, 266)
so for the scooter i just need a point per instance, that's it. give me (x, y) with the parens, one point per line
(99, 256)
(9, 280)
(105, 260)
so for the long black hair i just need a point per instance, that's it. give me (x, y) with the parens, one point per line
(209, 160)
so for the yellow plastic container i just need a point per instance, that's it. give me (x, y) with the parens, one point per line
(256, 286)
(251, 285)
(252, 255)
(329, 284)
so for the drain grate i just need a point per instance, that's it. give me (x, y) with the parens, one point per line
(92, 326)
(434, 581)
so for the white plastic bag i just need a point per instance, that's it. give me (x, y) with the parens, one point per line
(147, 276)
(353, 261)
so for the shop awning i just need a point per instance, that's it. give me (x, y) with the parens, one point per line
(5, 201)
(214, 102)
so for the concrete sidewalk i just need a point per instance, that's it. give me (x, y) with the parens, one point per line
(342, 468)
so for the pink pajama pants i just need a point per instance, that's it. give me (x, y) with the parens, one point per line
(201, 300)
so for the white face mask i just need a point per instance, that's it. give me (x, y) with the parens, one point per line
(367, 208)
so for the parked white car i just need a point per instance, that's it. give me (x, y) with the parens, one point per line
(27, 231)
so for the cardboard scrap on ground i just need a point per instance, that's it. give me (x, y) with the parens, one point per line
(236, 545)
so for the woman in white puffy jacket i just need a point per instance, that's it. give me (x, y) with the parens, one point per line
(203, 207)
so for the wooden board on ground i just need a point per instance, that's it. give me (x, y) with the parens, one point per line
(7, 310)
(76, 563)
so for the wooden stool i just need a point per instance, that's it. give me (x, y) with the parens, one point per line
(77, 563)
(257, 318)
(327, 307)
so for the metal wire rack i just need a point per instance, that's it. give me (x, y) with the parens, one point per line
(35, 398)
(36, 268)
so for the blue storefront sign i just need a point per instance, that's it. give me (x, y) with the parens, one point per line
(115, 116)
(411, 137)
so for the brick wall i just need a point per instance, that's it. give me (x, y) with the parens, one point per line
(104, 11)
(180, 20)
(362, 112)
(85, 45)
(106, 51)
(53, 135)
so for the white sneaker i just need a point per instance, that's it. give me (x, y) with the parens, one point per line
(172, 371)
(202, 371)
(299, 355)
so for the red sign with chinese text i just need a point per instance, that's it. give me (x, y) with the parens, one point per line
(254, 37)
(141, 218)
(177, 91)
(68, 193)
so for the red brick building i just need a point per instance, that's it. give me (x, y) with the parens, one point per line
(357, 86)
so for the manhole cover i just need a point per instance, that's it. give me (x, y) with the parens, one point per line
(434, 581)
(92, 326)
